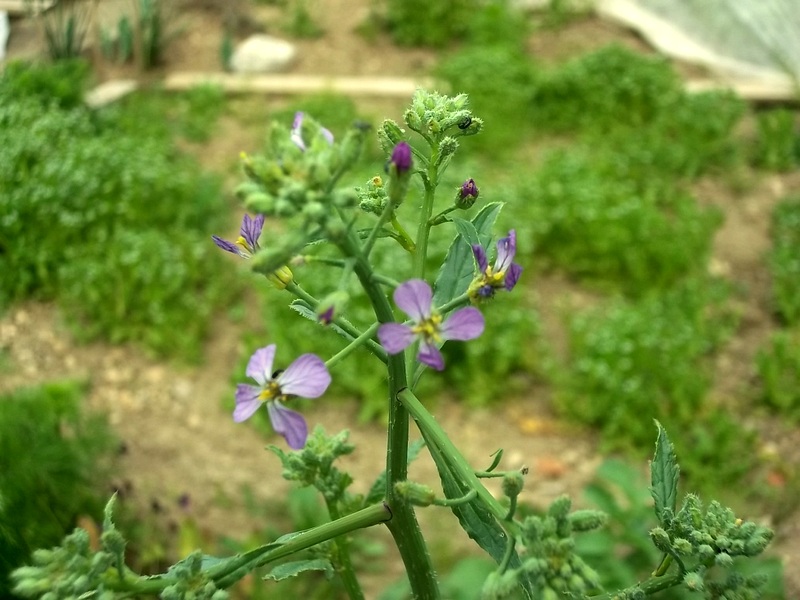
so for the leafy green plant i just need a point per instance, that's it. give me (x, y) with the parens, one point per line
(65, 26)
(300, 23)
(52, 469)
(61, 83)
(784, 260)
(72, 184)
(779, 370)
(778, 146)
(617, 376)
(602, 226)
(422, 23)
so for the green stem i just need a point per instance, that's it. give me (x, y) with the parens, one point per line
(434, 434)
(351, 347)
(649, 587)
(405, 240)
(344, 565)
(230, 572)
(424, 229)
(403, 526)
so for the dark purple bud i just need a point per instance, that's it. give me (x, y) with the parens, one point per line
(401, 157)
(184, 501)
(326, 316)
(467, 194)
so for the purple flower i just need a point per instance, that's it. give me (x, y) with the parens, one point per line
(504, 274)
(297, 131)
(401, 157)
(415, 298)
(247, 244)
(307, 377)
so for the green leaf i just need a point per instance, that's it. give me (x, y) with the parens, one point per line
(294, 568)
(476, 520)
(458, 268)
(664, 472)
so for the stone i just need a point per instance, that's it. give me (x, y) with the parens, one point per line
(262, 54)
(4, 32)
(109, 92)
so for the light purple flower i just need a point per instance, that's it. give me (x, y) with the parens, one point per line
(415, 297)
(504, 274)
(297, 132)
(247, 244)
(306, 377)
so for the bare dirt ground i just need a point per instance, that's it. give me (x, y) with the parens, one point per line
(180, 439)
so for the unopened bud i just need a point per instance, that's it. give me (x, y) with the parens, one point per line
(331, 306)
(466, 194)
(281, 277)
(417, 494)
(513, 482)
(401, 157)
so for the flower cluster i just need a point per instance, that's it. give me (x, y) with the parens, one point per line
(503, 275)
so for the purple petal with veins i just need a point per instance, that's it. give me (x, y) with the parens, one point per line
(480, 257)
(506, 249)
(464, 324)
(395, 337)
(414, 297)
(307, 376)
(247, 402)
(512, 276)
(260, 365)
(290, 424)
(227, 246)
(429, 355)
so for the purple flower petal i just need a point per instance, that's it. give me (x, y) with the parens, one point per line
(247, 402)
(464, 324)
(395, 337)
(326, 133)
(297, 131)
(401, 157)
(307, 376)
(290, 424)
(506, 249)
(429, 355)
(512, 276)
(260, 365)
(414, 297)
(480, 257)
(227, 246)
(251, 230)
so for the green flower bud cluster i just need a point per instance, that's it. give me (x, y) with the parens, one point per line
(67, 571)
(191, 582)
(735, 587)
(549, 561)
(433, 115)
(372, 198)
(714, 532)
(313, 465)
(389, 135)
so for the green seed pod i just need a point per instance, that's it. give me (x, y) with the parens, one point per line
(513, 482)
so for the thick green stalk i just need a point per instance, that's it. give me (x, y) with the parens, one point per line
(424, 229)
(403, 526)
(344, 565)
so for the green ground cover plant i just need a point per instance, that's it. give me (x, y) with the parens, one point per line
(54, 468)
(784, 260)
(778, 141)
(90, 197)
(779, 369)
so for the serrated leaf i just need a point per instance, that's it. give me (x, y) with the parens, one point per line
(664, 472)
(457, 270)
(304, 310)
(294, 568)
(378, 489)
(476, 520)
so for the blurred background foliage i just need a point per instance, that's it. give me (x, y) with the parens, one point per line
(597, 157)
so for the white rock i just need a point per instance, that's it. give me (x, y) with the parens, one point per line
(262, 54)
(4, 32)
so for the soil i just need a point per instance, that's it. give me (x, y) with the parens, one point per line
(179, 438)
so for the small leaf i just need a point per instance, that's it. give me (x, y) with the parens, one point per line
(294, 568)
(458, 268)
(664, 472)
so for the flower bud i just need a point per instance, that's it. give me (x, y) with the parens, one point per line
(331, 306)
(660, 539)
(587, 520)
(513, 482)
(466, 194)
(281, 277)
(417, 494)
(694, 582)
(401, 157)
